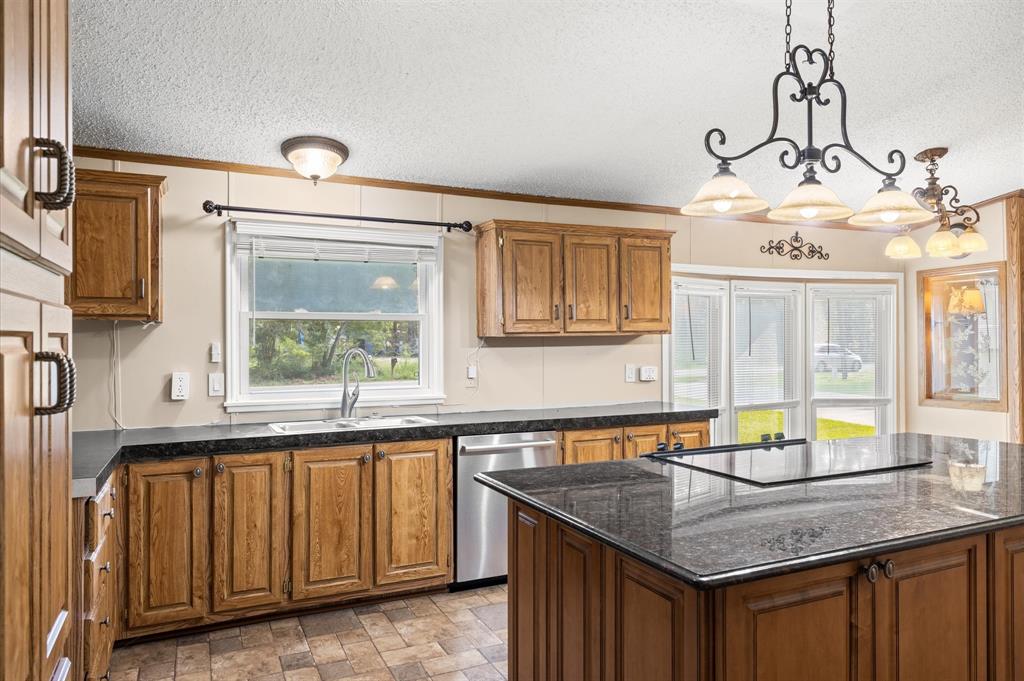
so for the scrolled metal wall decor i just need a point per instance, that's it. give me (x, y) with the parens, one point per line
(796, 248)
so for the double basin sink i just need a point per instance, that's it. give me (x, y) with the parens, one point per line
(329, 425)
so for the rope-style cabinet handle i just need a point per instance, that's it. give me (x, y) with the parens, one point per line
(67, 380)
(64, 195)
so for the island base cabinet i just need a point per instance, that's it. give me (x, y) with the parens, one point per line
(527, 593)
(1007, 599)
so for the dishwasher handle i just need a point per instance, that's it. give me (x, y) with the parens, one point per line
(476, 450)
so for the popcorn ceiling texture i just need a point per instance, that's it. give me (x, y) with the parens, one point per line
(570, 98)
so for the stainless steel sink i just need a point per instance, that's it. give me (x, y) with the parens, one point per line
(329, 425)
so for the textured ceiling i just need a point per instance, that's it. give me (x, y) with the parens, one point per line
(572, 98)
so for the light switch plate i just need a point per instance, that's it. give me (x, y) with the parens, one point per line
(179, 385)
(630, 373)
(648, 374)
(216, 384)
(215, 355)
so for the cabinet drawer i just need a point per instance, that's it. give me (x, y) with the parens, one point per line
(99, 516)
(98, 567)
(99, 637)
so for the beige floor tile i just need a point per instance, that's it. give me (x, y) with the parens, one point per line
(485, 672)
(363, 657)
(192, 658)
(256, 635)
(465, 600)
(449, 676)
(426, 651)
(502, 668)
(452, 663)
(353, 636)
(285, 623)
(389, 643)
(459, 644)
(378, 625)
(427, 629)
(423, 606)
(326, 648)
(143, 654)
(245, 663)
(375, 675)
(194, 676)
(289, 641)
(304, 674)
(160, 670)
(227, 632)
(125, 675)
(393, 605)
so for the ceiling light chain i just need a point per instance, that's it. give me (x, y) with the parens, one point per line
(789, 32)
(831, 39)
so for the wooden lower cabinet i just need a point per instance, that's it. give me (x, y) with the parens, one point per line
(166, 561)
(527, 593)
(1006, 594)
(642, 440)
(413, 495)
(332, 521)
(610, 444)
(589, 446)
(574, 605)
(690, 435)
(249, 530)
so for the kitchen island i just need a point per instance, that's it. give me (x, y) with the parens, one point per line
(676, 568)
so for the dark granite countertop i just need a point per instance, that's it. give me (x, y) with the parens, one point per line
(95, 453)
(711, 531)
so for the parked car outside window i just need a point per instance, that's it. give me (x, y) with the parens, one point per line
(832, 357)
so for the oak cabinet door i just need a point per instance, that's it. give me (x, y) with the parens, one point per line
(588, 446)
(930, 614)
(413, 512)
(332, 521)
(531, 267)
(591, 284)
(168, 506)
(645, 286)
(1006, 599)
(249, 530)
(806, 626)
(642, 440)
(690, 435)
(574, 605)
(527, 593)
(117, 246)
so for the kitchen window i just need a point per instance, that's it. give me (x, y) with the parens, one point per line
(301, 295)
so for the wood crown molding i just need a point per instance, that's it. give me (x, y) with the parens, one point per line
(230, 167)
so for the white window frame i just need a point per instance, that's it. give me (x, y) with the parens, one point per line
(430, 389)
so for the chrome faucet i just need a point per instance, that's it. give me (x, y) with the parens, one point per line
(348, 401)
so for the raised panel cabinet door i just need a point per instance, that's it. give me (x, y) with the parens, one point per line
(645, 285)
(332, 521)
(805, 626)
(1006, 601)
(574, 605)
(589, 446)
(19, 341)
(168, 507)
(690, 435)
(642, 440)
(591, 283)
(116, 238)
(930, 615)
(652, 621)
(531, 268)
(413, 487)
(527, 593)
(249, 530)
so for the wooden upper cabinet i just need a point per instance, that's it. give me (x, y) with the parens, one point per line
(591, 283)
(249, 530)
(531, 265)
(645, 285)
(413, 511)
(642, 440)
(332, 521)
(588, 446)
(546, 279)
(117, 246)
(166, 559)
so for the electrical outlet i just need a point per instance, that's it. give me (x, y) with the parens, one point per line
(179, 385)
(471, 372)
(216, 382)
(215, 353)
(630, 373)
(648, 374)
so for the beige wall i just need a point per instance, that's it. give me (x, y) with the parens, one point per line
(939, 420)
(512, 373)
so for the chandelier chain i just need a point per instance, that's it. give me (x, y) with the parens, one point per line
(789, 31)
(831, 39)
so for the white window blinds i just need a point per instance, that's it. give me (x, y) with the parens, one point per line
(697, 321)
(764, 346)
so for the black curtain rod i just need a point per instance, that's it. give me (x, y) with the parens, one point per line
(211, 207)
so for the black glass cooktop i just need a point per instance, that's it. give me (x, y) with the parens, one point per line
(799, 461)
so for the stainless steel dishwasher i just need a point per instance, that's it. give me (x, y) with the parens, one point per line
(481, 515)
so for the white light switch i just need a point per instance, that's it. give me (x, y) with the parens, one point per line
(648, 373)
(214, 352)
(630, 373)
(179, 385)
(216, 382)
(471, 372)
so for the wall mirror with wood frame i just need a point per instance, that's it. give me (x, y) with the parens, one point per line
(963, 349)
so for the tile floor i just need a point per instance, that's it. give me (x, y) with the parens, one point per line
(446, 637)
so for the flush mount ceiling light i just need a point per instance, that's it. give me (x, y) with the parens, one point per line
(811, 200)
(314, 157)
(951, 240)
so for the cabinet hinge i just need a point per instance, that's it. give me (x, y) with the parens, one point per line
(501, 241)
(287, 586)
(288, 464)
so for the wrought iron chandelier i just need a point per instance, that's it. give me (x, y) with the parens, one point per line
(726, 194)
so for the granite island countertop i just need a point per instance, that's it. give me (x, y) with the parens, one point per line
(95, 453)
(710, 531)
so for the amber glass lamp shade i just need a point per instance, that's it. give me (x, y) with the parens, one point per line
(943, 244)
(724, 194)
(902, 247)
(810, 201)
(971, 241)
(891, 206)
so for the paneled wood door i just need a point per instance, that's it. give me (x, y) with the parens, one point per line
(642, 440)
(1006, 601)
(168, 507)
(591, 283)
(651, 624)
(413, 511)
(332, 521)
(117, 246)
(527, 593)
(588, 446)
(531, 267)
(801, 627)
(930, 615)
(249, 530)
(690, 435)
(645, 285)
(54, 122)
(574, 605)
